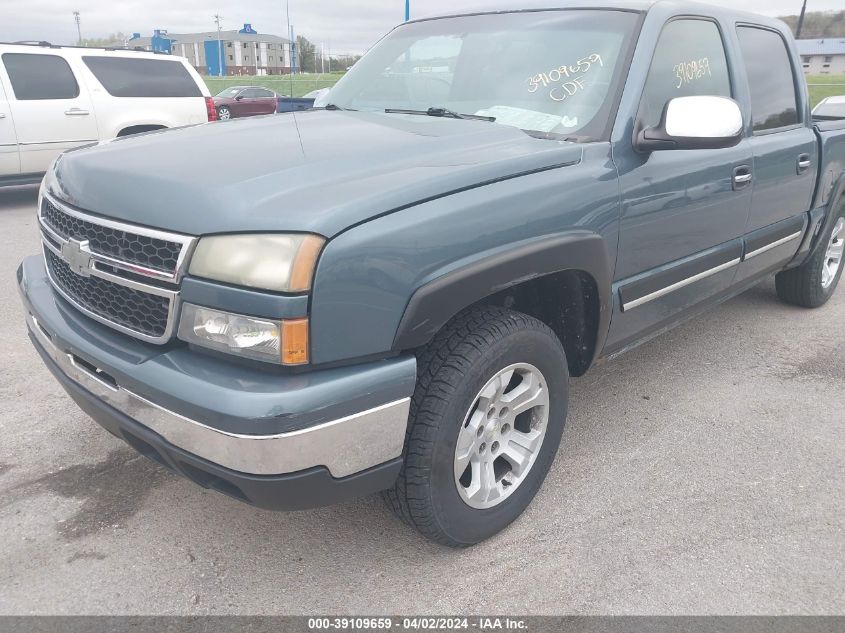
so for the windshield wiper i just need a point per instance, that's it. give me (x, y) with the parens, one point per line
(442, 112)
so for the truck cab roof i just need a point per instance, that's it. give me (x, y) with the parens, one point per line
(640, 6)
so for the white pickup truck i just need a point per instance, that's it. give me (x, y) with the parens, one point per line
(54, 98)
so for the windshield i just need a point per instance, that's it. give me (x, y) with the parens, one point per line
(229, 93)
(551, 72)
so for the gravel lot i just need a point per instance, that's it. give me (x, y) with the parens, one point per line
(701, 473)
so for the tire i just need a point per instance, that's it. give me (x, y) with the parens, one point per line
(810, 285)
(224, 113)
(447, 405)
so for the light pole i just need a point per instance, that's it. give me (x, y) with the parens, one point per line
(217, 19)
(292, 59)
(78, 28)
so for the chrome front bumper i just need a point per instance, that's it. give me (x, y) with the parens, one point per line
(344, 446)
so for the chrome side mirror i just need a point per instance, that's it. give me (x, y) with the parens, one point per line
(699, 122)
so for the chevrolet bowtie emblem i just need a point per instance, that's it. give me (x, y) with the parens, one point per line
(77, 256)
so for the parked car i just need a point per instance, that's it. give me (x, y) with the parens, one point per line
(240, 101)
(490, 204)
(830, 109)
(305, 102)
(54, 98)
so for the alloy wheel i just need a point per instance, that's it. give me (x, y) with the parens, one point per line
(833, 255)
(501, 436)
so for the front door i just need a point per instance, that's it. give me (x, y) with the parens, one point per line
(784, 148)
(52, 112)
(683, 211)
(10, 164)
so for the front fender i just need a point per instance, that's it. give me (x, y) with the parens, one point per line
(385, 286)
(435, 303)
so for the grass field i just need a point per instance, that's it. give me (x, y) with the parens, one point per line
(821, 86)
(291, 86)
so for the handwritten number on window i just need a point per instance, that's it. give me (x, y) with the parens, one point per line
(566, 80)
(691, 71)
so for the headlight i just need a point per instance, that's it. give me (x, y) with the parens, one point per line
(284, 342)
(281, 263)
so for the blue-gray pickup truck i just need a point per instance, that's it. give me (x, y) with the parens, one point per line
(391, 293)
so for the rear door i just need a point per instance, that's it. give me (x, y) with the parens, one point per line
(52, 111)
(10, 164)
(784, 149)
(131, 90)
(266, 100)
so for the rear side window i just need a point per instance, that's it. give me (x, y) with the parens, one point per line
(126, 77)
(689, 60)
(37, 77)
(774, 103)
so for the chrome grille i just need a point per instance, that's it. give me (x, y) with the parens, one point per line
(133, 309)
(145, 250)
(122, 275)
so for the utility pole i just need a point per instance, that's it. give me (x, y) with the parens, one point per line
(407, 10)
(217, 19)
(78, 28)
(801, 20)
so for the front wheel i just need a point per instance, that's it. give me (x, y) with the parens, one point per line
(486, 421)
(811, 284)
(224, 113)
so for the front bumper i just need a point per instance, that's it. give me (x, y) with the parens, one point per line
(282, 441)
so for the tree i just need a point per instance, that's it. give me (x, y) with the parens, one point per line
(305, 55)
(115, 39)
(818, 24)
(342, 62)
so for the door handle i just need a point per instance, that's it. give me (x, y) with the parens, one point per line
(77, 112)
(2, 115)
(804, 163)
(742, 177)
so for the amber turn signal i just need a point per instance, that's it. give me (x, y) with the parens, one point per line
(295, 342)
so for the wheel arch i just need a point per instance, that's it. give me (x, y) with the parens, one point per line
(563, 280)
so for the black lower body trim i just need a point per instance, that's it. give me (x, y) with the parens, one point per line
(309, 488)
(654, 281)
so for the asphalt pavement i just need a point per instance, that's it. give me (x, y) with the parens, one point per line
(702, 473)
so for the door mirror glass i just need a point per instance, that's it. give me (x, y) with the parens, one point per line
(698, 122)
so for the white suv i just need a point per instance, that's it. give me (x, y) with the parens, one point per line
(54, 98)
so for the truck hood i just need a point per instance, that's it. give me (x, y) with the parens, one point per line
(317, 171)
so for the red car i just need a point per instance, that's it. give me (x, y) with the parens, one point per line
(240, 101)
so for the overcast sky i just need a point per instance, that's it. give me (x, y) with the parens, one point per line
(343, 25)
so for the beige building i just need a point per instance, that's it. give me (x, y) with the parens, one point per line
(823, 57)
(232, 53)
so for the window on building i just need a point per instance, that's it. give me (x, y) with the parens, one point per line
(828, 58)
(774, 102)
(230, 58)
(689, 60)
(38, 77)
(125, 77)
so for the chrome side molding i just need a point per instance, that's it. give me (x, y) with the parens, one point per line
(678, 285)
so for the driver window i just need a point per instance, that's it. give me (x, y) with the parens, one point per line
(689, 61)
